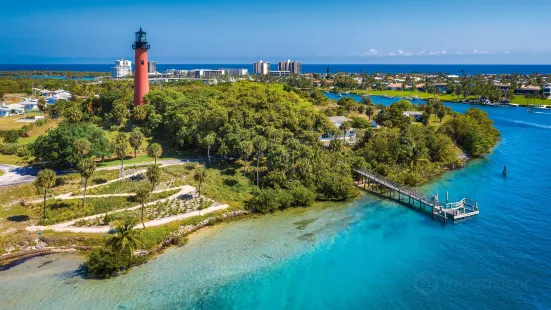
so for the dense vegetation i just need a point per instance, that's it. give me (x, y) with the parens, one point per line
(272, 131)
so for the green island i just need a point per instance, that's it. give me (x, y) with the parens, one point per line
(122, 182)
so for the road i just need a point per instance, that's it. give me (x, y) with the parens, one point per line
(15, 175)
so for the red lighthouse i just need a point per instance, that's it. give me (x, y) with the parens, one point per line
(141, 82)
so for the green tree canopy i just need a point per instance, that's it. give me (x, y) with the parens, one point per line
(58, 147)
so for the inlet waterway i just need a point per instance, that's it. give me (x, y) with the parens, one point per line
(364, 254)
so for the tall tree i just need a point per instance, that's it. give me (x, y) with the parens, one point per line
(126, 238)
(344, 127)
(120, 147)
(41, 104)
(86, 168)
(58, 146)
(200, 176)
(136, 139)
(154, 150)
(260, 145)
(246, 148)
(369, 111)
(153, 175)
(441, 113)
(46, 179)
(142, 197)
(208, 141)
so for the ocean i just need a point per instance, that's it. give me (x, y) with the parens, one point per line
(368, 253)
(307, 68)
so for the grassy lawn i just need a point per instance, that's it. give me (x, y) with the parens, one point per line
(11, 193)
(226, 184)
(66, 183)
(38, 131)
(12, 160)
(519, 99)
(10, 122)
(143, 158)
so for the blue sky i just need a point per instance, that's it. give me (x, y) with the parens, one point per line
(239, 31)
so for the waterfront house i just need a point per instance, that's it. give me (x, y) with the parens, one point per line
(337, 121)
(441, 87)
(503, 87)
(394, 86)
(524, 90)
(414, 114)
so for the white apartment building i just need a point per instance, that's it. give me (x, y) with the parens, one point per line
(122, 68)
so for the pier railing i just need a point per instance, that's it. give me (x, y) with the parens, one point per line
(398, 187)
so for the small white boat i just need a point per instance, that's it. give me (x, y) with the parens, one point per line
(540, 107)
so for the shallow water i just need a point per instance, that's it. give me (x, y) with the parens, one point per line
(369, 253)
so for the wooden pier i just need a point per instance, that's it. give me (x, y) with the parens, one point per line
(444, 211)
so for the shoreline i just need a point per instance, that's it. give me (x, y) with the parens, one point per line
(188, 230)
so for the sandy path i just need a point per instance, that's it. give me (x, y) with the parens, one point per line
(186, 189)
(106, 229)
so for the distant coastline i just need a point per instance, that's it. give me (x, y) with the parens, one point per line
(307, 68)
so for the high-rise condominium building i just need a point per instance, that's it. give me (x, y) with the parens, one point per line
(291, 66)
(261, 67)
(151, 66)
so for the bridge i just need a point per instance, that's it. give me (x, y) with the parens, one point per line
(379, 184)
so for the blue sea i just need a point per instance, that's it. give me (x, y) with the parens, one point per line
(307, 68)
(367, 253)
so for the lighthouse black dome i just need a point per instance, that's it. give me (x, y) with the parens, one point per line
(141, 40)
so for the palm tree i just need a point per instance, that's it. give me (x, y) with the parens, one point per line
(142, 196)
(260, 146)
(46, 179)
(120, 147)
(153, 174)
(86, 167)
(155, 150)
(200, 176)
(135, 139)
(126, 239)
(345, 126)
(209, 141)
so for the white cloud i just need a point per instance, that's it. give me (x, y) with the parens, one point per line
(372, 52)
(403, 53)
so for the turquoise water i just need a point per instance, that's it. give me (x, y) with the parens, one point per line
(365, 254)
